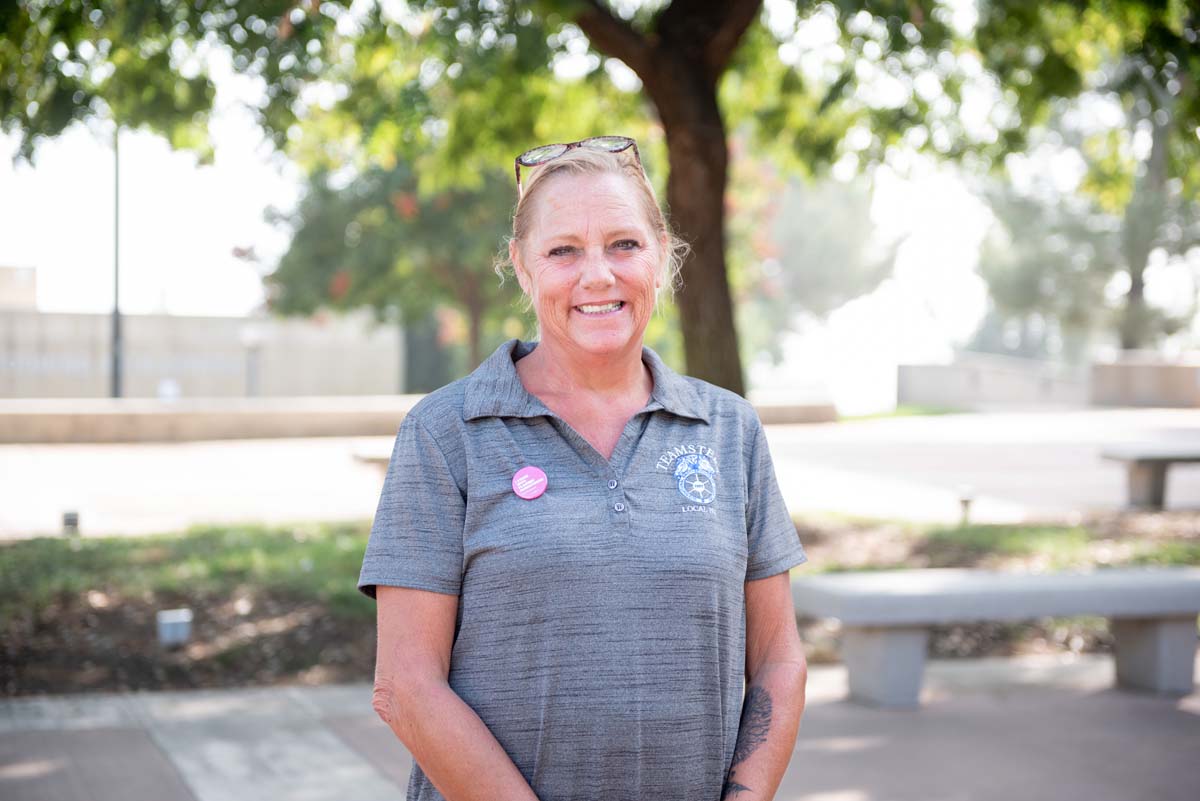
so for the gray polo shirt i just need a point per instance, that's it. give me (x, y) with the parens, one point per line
(601, 626)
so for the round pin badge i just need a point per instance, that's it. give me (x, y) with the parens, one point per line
(529, 482)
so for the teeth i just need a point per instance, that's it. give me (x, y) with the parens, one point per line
(607, 307)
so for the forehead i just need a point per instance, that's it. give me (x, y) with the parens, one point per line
(570, 203)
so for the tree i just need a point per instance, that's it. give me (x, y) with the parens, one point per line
(798, 249)
(1144, 56)
(377, 242)
(1051, 255)
(1046, 262)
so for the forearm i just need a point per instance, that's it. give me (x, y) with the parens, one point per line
(767, 736)
(453, 746)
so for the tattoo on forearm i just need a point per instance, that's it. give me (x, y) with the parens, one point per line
(756, 722)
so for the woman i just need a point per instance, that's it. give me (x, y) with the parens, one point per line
(578, 553)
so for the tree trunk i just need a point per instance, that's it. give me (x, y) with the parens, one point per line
(1133, 317)
(696, 186)
(471, 301)
(425, 364)
(680, 64)
(1143, 218)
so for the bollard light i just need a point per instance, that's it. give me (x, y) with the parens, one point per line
(174, 627)
(966, 494)
(70, 523)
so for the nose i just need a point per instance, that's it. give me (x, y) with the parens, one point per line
(596, 272)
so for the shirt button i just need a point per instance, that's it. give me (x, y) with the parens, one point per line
(612, 483)
(620, 507)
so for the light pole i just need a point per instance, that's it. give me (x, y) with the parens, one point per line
(116, 312)
(252, 340)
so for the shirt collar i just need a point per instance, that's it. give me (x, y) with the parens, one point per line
(495, 390)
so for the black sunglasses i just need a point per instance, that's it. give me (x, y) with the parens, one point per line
(544, 153)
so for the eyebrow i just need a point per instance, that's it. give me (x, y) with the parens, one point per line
(625, 233)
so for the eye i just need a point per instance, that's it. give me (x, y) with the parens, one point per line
(627, 244)
(560, 251)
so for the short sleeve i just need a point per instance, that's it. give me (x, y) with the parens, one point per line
(417, 537)
(773, 544)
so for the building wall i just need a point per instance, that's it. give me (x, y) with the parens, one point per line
(55, 355)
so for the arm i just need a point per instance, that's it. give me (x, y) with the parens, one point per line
(776, 672)
(450, 742)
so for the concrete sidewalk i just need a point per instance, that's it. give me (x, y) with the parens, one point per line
(1021, 465)
(1034, 727)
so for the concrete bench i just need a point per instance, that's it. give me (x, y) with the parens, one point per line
(378, 457)
(886, 616)
(1147, 465)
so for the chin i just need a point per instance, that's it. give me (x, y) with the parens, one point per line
(601, 342)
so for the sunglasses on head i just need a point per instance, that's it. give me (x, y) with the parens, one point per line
(537, 156)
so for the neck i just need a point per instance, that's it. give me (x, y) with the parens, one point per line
(559, 369)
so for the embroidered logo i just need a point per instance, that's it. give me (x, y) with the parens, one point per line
(694, 468)
(697, 477)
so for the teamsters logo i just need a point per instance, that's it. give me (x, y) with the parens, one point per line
(695, 470)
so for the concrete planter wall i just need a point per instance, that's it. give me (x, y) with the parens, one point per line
(984, 380)
(1143, 380)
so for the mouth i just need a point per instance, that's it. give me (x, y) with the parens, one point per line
(600, 309)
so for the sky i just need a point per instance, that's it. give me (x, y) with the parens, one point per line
(180, 222)
(933, 301)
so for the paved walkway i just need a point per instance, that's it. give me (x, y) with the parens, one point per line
(1020, 465)
(1034, 727)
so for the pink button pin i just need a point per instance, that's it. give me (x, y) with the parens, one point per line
(529, 482)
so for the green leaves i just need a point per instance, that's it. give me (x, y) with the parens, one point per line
(377, 241)
(140, 64)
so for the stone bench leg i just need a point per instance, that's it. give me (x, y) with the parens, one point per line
(885, 664)
(1157, 654)
(1147, 484)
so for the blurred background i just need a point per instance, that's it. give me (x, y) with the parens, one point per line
(950, 250)
(917, 189)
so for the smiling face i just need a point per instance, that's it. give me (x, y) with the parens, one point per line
(591, 264)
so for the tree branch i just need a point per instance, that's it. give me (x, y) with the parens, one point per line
(706, 30)
(615, 37)
(740, 16)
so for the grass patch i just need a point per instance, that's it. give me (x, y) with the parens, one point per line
(1059, 546)
(822, 519)
(839, 567)
(317, 562)
(321, 562)
(1172, 552)
(838, 543)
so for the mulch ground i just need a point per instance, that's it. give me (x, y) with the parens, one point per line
(96, 642)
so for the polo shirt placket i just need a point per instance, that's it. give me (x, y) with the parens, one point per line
(496, 391)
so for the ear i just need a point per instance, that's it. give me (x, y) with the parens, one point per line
(514, 255)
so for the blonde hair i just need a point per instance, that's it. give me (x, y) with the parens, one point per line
(585, 161)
